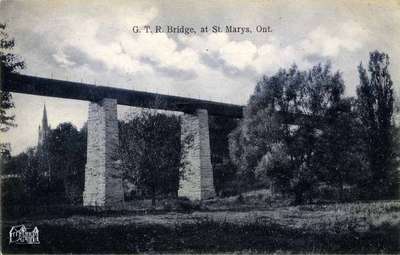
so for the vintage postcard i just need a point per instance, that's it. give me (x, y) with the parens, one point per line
(218, 127)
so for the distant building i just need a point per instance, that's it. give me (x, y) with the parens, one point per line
(44, 129)
(42, 148)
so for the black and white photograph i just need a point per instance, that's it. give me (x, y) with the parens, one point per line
(200, 127)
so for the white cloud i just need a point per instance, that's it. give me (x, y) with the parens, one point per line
(273, 54)
(119, 50)
(329, 42)
(271, 57)
(160, 49)
(126, 52)
(238, 54)
(62, 59)
(320, 42)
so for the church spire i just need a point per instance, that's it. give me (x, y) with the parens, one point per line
(44, 129)
(44, 119)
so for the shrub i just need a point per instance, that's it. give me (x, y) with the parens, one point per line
(181, 204)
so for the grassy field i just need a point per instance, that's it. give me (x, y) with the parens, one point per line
(350, 228)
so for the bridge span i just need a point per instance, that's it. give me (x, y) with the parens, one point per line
(81, 91)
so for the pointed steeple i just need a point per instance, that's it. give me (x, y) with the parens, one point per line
(44, 119)
(44, 129)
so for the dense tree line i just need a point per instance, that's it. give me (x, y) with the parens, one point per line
(51, 173)
(344, 147)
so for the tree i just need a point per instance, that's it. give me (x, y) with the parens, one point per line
(150, 149)
(27, 165)
(340, 153)
(268, 131)
(261, 127)
(67, 158)
(375, 107)
(318, 94)
(274, 167)
(10, 63)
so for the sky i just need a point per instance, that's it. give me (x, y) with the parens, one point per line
(93, 42)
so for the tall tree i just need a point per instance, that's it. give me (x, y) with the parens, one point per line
(340, 154)
(150, 149)
(67, 158)
(261, 127)
(267, 135)
(10, 63)
(375, 106)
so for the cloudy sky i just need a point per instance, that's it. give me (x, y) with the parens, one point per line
(92, 42)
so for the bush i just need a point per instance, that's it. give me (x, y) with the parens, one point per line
(181, 204)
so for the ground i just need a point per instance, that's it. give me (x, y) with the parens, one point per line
(353, 227)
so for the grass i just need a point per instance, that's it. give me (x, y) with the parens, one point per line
(335, 228)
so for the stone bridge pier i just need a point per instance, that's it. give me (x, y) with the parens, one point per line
(103, 176)
(197, 183)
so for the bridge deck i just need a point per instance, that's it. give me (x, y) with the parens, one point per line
(74, 90)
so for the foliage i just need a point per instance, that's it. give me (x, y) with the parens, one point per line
(52, 172)
(150, 152)
(11, 63)
(271, 147)
(375, 108)
(340, 152)
(66, 148)
(275, 163)
(25, 165)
